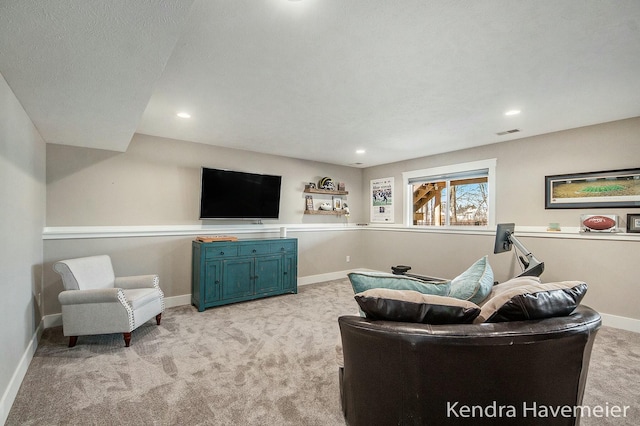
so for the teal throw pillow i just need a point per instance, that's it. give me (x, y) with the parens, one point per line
(363, 281)
(474, 284)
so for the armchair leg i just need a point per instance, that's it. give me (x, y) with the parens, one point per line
(127, 339)
(158, 317)
(72, 341)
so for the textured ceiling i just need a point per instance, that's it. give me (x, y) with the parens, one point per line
(318, 79)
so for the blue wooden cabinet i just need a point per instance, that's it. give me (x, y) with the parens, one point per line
(234, 271)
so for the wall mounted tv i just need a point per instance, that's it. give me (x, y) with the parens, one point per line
(229, 194)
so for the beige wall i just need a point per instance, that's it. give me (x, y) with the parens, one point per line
(157, 182)
(608, 266)
(22, 212)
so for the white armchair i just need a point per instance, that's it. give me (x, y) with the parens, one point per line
(96, 302)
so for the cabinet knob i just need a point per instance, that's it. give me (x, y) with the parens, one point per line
(285, 272)
(221, 253)
(217, 281)
(253, 251)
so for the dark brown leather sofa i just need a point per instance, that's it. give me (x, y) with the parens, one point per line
(508, 373)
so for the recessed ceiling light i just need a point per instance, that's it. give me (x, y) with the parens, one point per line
(360, 151)
(183, 115)
(512, 112)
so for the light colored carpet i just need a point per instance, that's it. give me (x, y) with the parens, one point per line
(265, 362)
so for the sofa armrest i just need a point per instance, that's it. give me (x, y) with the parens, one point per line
(137, 281)
(100, 295)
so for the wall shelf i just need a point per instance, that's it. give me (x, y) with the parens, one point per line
(325, 212)
(325, 191)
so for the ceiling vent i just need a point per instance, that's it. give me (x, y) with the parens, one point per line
(506, 132)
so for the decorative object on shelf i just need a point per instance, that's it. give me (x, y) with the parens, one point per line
(327, 208)
(345, 209)
(598, 223)
(341, 186)
(211, 238)
(633, 223)
(611, 188)
(327, 183)
(554, 227)
(337, 203)
(310, 185)
(309, 202)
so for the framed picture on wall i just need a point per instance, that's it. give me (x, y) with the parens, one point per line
(611, 188)
(382, 200)
(633, 223)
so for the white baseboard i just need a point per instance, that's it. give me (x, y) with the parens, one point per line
(173, 301)
(312, 279)
(623, 323)
(18, 375)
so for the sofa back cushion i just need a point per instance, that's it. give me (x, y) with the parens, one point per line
(363, 281)
(518, 301)
(475, 283)
(411, 306)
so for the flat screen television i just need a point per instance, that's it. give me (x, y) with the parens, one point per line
(229, 194)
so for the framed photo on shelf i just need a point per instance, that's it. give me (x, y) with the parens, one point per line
(610, 188)
(308, 202)
(337, 203)
(633, 223)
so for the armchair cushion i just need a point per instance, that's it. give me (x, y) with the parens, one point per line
(411, 306)
(138, 297)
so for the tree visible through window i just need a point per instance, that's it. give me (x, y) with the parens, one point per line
(451, 202)
(455, 195)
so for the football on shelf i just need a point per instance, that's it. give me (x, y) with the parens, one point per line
(599, 223)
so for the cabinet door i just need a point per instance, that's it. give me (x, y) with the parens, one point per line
(290, 274)
(268, 274)
(237, 278)
(212, 281)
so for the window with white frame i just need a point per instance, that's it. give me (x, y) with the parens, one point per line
(456, 195)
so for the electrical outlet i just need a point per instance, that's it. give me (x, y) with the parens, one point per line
(348, 259)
